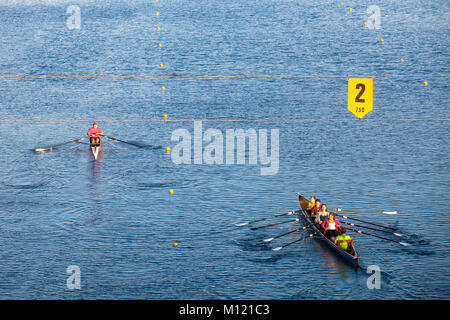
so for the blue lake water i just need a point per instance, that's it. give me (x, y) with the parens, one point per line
(115, 218)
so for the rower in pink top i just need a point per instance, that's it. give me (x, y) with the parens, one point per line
(94, 133)
(331, 226)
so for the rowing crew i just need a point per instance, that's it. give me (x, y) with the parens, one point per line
(329, 225)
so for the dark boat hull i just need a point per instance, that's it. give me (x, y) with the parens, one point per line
(352, 260)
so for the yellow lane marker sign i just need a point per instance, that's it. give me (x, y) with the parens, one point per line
(360, 96)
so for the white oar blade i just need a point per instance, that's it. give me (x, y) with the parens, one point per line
(405, 244)
(268, 239)
(277, 249)
(390, 212)
(398, 234)
(39, 150)
(242, 224)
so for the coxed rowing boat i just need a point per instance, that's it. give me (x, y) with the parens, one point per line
(350, 259)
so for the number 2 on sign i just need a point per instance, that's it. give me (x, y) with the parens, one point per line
(360, 96)
(363, 88)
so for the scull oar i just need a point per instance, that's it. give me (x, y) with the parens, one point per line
(284, 234)
(368, 211)
(375, 229)
(274, 224)
(380, 237)
(127, 142)
(58, 145)
(271, 217)
(368, 222)
(288, 244)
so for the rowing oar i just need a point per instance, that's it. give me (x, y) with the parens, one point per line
(288, 244)
(284, 234)
(380, 237)
(368, 211)
(274, 224)
(368, 222)
(123, 141)
(375, 229)
(58, 145)
(271, 217)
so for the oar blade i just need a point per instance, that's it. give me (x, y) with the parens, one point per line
(268, 239)
(405, 244)
(241, 224)
(277, 248)
(390, 212)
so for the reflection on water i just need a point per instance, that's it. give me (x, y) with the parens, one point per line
(95, 171)
(330, 260)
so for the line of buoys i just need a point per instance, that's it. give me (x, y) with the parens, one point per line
(161, 65)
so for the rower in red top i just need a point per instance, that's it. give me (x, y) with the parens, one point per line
(315, 209)
(94, 133)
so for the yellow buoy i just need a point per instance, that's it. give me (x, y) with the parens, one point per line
(401, 60)
(382, 40)
(425, 83)
(165, 116)
(161, 65)
(159, 45)
(158, 28)
(175, 244)
(157, 13)
(167, 149)
(365, 24)
(163, 88)
(171, 191)
(350, 9)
